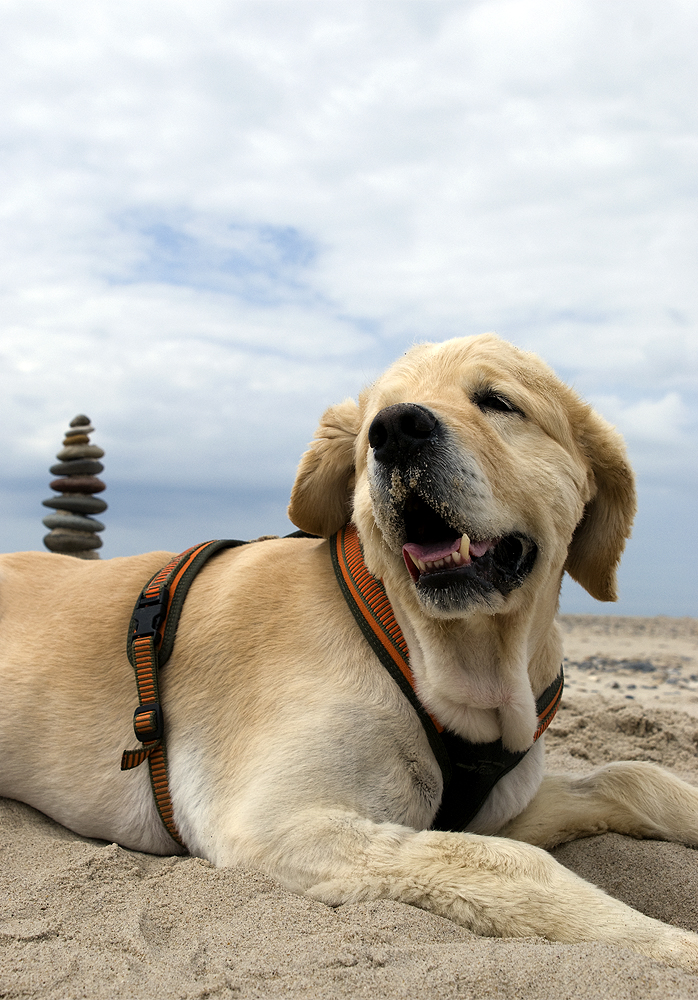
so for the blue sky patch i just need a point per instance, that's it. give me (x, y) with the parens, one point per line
(263, 264)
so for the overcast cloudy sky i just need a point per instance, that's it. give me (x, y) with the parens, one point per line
(217, 218)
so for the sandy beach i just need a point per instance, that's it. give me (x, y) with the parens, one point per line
(82, 918)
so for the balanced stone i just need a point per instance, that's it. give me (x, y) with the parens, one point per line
(76, 504)
(76, 439)
(65, 540)
(79, 420)
(77, 467)
(78, 484)
(73, 521)
(73, 431)
(79, 451)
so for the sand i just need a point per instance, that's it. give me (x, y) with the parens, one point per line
(81, 918)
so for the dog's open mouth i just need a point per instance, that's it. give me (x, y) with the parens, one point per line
(440, 558)
(425, 559)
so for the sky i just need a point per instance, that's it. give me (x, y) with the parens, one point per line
(218, 218)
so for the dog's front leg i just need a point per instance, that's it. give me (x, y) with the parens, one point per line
(491, 885)
(633, 797)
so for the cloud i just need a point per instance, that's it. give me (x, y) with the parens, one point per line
(661, 437)
(177, 378)
(650, 421)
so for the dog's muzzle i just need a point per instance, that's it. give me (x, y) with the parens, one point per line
(451, 566)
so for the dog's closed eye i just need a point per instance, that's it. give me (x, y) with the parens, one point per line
(488, 399)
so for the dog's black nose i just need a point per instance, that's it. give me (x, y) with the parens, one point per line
(399, 431)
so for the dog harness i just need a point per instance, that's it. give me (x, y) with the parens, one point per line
(151, 636)
(470, 770)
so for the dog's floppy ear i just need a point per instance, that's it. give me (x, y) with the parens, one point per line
(321, 495)
(600, 536)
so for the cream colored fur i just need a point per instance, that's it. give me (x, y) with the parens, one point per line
(290, 747)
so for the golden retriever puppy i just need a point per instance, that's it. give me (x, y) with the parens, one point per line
(473, 479)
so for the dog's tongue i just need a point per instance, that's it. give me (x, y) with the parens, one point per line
(430, 553)
(478, 549)
(439, 550)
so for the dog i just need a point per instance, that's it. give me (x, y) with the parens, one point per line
(473, 479)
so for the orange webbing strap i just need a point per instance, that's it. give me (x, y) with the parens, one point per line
(369, 604)
(151, 636)
(366, 588)
(548, 704)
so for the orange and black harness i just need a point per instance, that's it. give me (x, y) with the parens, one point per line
(470, 770)
(151, 636)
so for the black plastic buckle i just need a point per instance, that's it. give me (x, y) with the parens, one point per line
(149, 614)
(148, 723)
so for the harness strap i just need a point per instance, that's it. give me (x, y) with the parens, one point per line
(151, 636)
(477, 767)
(374, 615)
(470, 770)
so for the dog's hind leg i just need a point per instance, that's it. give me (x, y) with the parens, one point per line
(633, 797)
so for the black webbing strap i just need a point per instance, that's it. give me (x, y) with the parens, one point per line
(470, 770)
(477, 767)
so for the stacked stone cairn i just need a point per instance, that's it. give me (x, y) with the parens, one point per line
(73, 532)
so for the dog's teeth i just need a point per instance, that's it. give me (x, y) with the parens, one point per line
(448, 561)
(438, 564)
(457, 557)
(421, 566)
(464, 546)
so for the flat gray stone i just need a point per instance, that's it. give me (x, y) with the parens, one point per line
(79, 451)
(76, 503)
(71, 541)
(77, 467)
(86, 429)
(73, 521)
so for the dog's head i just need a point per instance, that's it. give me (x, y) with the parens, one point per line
(474, 476)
